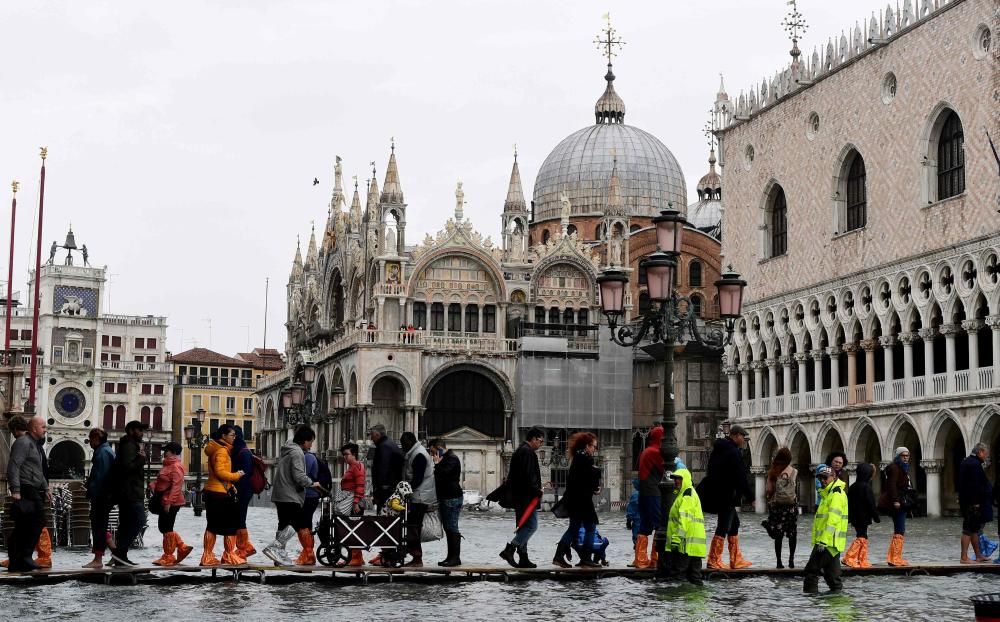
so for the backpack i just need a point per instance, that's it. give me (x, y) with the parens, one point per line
(784, 490)
(324, 477)
(258, 475)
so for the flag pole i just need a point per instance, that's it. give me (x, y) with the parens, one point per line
(30, 408)
(10, 267)
(267, 287)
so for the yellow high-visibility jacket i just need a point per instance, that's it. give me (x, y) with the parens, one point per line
(830, 524)
(685, 524)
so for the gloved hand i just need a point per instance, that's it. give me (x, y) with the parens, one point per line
(628, 523)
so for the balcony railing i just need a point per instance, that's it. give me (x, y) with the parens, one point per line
(160, 366)
(428, 340)
(940, 385)
(134, 320)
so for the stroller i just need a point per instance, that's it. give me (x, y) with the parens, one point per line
(339, 534)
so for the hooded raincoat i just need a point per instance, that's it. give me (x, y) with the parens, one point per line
(830, 524)
(686, 524)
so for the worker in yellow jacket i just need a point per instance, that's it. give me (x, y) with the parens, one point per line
(685, 528)
(829, 533)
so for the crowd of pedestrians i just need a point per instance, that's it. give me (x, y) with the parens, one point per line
(667, 526)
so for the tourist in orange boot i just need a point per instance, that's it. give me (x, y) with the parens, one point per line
(896, 500)
(304, 528)
(243, 461)
(221, 499)
(722, 491)
(862, 511)
(18, 427)
(168, 499)
(288, 494)
(650, 505)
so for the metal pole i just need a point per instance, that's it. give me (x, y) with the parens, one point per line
(668, 447)
(38, 270)
(10, 266)
(197, 505)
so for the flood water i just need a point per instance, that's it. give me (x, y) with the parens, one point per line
(313, 597)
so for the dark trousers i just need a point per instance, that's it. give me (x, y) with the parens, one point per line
(131, 520)
(165, 521)
(822, 562)
(305, 518)
(861, 531)
(99, 511)
(28, 513)
(680, 564)
(729, 523)
(288, 515)
(650, 515)
(414, 526)
(899, 522)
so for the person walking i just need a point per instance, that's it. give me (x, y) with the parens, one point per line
(29, 490)
(685, 527)
(418, 471)
(782, 504)
(583, 481)
(288, 493)
(829, 533)
(128, 476)
(522, 490)
(861, 512)
(895, 500)
(304, 527)
(632, 517)
(975, 500)
(722, 490)
(18, 427)
(650, 513)
(448, 488)
(387, 471)
(169, 485)
(100, 492)
(221, 499)
(242, 459)
(353, 485)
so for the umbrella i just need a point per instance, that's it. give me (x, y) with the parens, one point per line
(527, 512)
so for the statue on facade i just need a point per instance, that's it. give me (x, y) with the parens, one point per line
(390, 240)
(459, 202)
(566, 208)
(52, 252)
(615, 248)
(86, 255)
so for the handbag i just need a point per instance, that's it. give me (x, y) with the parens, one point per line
(343, 503)
(559, 510)
(233, 495)
(156, 502)
(431, 529)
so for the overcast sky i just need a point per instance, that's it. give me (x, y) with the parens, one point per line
(183, 137)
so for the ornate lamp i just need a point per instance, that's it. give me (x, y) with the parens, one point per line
(669, 229)
(660, 275)
(612, 284)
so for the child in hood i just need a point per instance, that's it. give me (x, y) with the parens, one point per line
(861, 512)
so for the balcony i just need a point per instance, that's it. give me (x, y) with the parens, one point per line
(962, 382)
(134, 320)
(160, 367)
(438, 341)
(215, 381)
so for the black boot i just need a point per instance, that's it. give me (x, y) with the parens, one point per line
(523, 561)
(560, 557)
(508, 555)
(454, 550)
(586, 560)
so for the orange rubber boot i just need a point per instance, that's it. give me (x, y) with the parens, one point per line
(895, 556)
(735, 557)
(243, 543)
(183, 550)
(356, 558)
(850, 558)
(208, 557)
(308, 555)
(167, 559)
(230, 555)
(44, 549)
(641, 557)
(715, 553)
(863, 554)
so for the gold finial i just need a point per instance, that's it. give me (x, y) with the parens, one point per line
(609, 39)
(14, 185)
(44, 152)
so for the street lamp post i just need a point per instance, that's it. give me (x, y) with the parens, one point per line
(195, 442)
(674, 319)
(296, 401)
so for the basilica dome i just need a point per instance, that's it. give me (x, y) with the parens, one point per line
(580, 167)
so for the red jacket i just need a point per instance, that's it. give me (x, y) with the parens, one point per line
(354, 479)
(651, 464)
(170, 480)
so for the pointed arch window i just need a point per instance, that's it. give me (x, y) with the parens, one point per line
(857, 195)
(694, 274)
(951, 158)
(778, 225)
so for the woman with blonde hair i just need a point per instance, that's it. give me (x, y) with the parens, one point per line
(582, 482)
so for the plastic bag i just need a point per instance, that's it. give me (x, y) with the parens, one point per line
(432, 528)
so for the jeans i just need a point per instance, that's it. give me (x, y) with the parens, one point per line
(527, 530)
(99, 511)
(131, 520)
(899, 522)
(573, 532)
(414, 526)
(729, 523)
(650, 515)
(449, 509)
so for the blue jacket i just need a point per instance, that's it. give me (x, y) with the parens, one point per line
(98, 483)
(312, 470)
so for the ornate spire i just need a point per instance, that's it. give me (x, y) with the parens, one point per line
(710, 185)
(297, 262)
(372, 204)
(515, 194)
(392, 191)
(355, 208)
(795, 25)
(610, 108)
(338, 186)
(311, 253)
(615, 206)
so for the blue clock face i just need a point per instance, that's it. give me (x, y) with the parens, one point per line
(70, 402)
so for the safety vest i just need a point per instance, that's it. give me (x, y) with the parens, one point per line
(830, 524)
(685, 524)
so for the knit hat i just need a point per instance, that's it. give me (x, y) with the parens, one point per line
(822, 470)
(678, 463)
(900, 450)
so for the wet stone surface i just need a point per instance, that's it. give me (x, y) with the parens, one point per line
(755, 598)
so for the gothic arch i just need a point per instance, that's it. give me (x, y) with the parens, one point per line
(270, 422)
(935, 439)
(795, 430)
(391, 371)
(853, 448)
(578, 263)
(497, 377)
(893, 434)
(988, 418)
(480, 257)
(764, 453)
(849, 153)
(826, 443)
(927, 148)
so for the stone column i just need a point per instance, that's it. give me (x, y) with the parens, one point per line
(744, 370)
(800, 361)
(734, 390)
(758, 379)
(927, 334)
(972, 328)
(950, 366)
(887, 344)
(851, 349)
(760, 484)
(786, 363)
(993, 321)
(869, 346)
(772, 376)
(834, 353)
(933, 468)
(907, 340)
(817, 356)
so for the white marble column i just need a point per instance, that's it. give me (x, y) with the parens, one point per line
(786, 363)
(760, 485)
(993, 321)
(817, 356)
(927, 334)
(834, 353)
(734, 390)
(887, 343)
(851, 349)
(869, 345)
(950, 365)
(933, 468)
(758, 380)
(800, 362)
(772, 377)
(744, 369)
(972, 328)
(907, 340)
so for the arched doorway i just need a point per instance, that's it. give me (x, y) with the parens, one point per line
(906, 436)
(388, 398)
(949, 448)
(769, 447)
(66, 461)
(868, 450)
(802, 460)
(831, 442)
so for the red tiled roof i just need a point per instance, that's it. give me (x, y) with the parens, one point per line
(207, 357)
(263, 358)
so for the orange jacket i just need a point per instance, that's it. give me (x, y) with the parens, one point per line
(170, 481)
(220, 467)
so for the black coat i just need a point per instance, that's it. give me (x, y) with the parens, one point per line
(582, 482)
(896, 482)
(861, 499)
(128, 471)
(725, 484)
(448, 477)
(524, 479)
(387, 469)
(974, 487)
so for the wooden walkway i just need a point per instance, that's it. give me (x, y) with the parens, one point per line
(289, 574)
